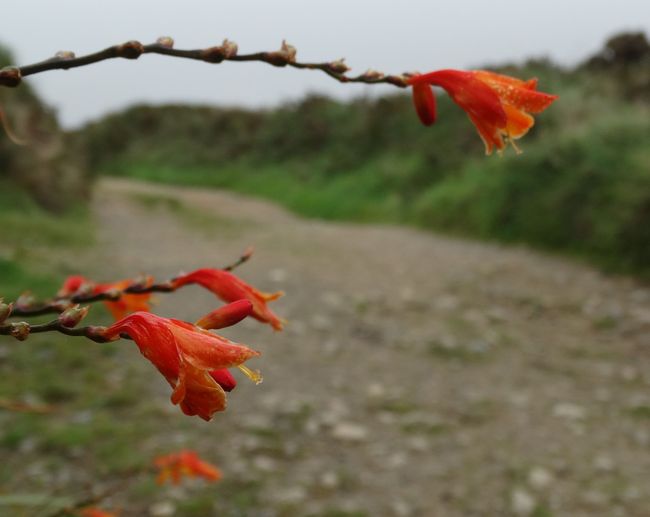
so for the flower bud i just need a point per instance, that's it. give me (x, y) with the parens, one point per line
(226, 316)
(229, 48)
(226, 50)
(142, 282)
(98, 334)
(212, 55)
(113, 294)
(398, 80)
(338, 66)
(130, 50)
(20, 330)
(10, 76)
(372, 75)
(248, 253)
(5, 310)
(165, 41)
(289, 50)
(73, 286)
(25, 301)
(71, 317)
(282, 57)
(61, 305)
(64, 55)
(85, 290)
(425, 103)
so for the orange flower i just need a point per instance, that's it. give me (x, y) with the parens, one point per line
(498, 105)
(91, 511)
(184, 463)
(126, 304)
(229, 288)
(193, 360)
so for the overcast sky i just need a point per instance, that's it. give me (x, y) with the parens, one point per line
(386, 35)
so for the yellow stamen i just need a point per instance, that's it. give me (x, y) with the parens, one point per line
(515, 146)
(253, 375)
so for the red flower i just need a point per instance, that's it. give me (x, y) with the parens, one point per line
(184, 463)
(193, 360)
(126, 304)
(498, 105)
(229, 288)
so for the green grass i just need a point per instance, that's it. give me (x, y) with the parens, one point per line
(25, 224)
(641, 412)
(15, 279)
(347, 197)
(29, 240)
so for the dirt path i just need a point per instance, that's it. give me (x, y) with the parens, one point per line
(419, 375)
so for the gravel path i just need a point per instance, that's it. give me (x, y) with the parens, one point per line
(419, 375)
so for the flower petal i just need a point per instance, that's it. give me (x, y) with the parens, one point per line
(521, 94)
(206, 350)
(490, 135)
(203, 395)
(425, 102)
(224, 378)
(519, 122)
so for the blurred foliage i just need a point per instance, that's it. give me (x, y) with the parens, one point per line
(582, 186)
(29, 239)
(49, 167)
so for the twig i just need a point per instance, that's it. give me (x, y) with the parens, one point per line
(245, 257)
(227, 51)
(22, 330)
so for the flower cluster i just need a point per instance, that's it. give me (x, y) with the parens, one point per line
(173, 467)
(193, 360)
(498, 105)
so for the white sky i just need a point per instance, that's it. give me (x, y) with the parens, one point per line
(386, 35)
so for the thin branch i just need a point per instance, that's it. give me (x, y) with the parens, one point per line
(59, 304)
(227, 51)
(244, 257)
(22, 330)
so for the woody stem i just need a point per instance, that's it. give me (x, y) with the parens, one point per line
(12, 76)
(22, 330)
